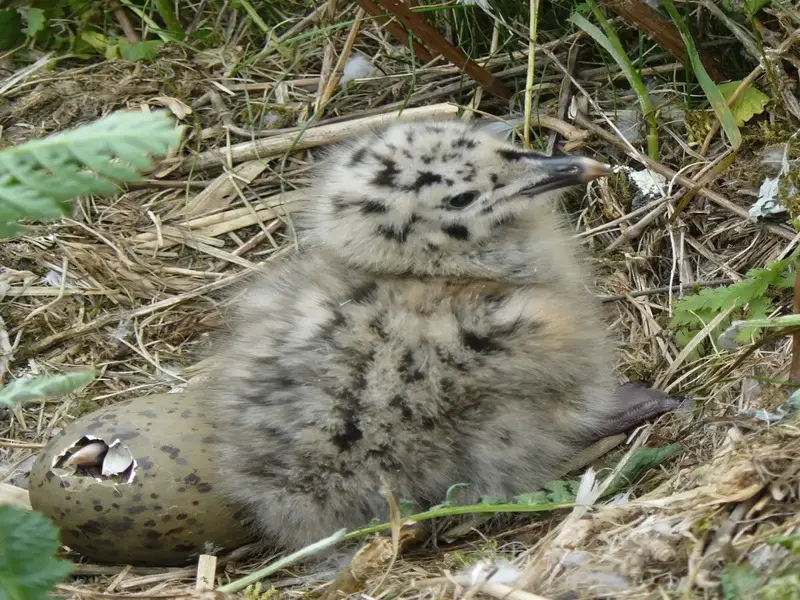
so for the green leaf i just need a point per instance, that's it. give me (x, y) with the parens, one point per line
(10, 28)
(532, 499)
(96, 40)
(750, 102)
(561, 491)
(751, 7)
(610, 42)
(642, 460)
(40, 177)
(785, 587)
(29, 568)
(738, 582)
(139, 50)
(694, 311)
(27, 389)
(36, 22)
(490, 500)
(450, 496)
(684, 336)
(406, 508)
(790, 542)
(712, 92)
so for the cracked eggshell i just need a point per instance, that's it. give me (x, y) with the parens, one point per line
(135, 483)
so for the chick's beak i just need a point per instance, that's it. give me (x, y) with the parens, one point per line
(564, 171)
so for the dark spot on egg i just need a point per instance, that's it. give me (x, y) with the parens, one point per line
(175, 531)
(173, 452)
(91, 528)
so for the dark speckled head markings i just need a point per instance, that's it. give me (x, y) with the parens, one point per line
(423, 198)
(435, 329)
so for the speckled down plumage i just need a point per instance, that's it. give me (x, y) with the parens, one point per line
(435, 329)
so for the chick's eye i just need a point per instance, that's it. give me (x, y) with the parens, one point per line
(463, 199)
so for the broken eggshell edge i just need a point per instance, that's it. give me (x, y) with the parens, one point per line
(166, 512)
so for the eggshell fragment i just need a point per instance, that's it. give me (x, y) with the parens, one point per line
(135, 483)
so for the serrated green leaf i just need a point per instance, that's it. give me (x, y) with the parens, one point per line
(694, 311)
(95, 39)
(8, 228)
(785, 281)
(750, 102)
(10, 28)
(759, 308)
(684, 336)
(36, 21)
(490, 500)
(790, 542)
(718, 104)
(560, 491)
(532, 499)
(642, 460)
(738, 582)
(137, 51)
(29, 568)
(406, 508)
(786, 587)
(39, 179)
(26, 389)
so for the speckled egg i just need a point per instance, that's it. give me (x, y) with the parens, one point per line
(135, 483)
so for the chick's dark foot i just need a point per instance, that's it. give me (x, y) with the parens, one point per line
(640, 402)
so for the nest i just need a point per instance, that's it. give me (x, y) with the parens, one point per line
(135, 284)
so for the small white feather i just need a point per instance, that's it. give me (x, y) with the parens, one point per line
(356, 67)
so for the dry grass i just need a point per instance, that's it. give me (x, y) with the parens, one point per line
(135, 283)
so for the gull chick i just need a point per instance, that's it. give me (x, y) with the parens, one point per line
(435, 328)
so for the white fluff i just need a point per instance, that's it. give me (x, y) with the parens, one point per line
(356, 67)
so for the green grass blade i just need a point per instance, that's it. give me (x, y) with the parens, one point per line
(611, 44)
(711, 90)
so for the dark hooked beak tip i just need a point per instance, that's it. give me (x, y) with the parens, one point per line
(561, 172)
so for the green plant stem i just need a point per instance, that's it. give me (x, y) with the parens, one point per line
(240, 584)
(450, 511)
(532, 28)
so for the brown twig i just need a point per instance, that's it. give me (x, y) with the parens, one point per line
(716, 198)
(124, 20)
(395, 29)
(667, 288)
(434, 40)
(637, 14)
